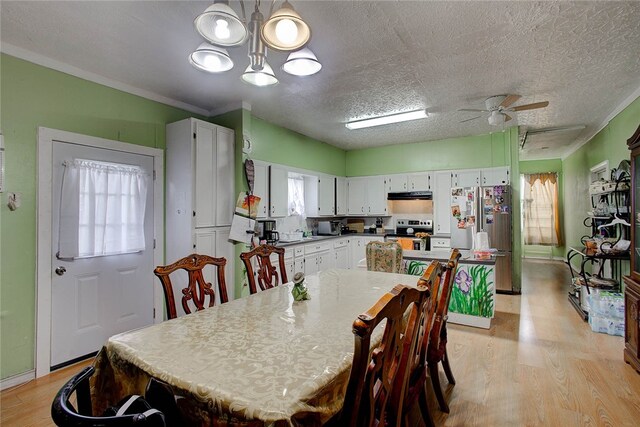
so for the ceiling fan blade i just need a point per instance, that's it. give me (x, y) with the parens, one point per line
(530, 106)
(475, 110)
(507, 117)
(510, 99)
(468, 120)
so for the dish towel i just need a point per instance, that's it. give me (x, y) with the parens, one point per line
(406, 243)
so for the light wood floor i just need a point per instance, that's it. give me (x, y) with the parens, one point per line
(538, 365)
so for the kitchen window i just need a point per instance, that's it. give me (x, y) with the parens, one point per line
(296, 195)
(541, 225)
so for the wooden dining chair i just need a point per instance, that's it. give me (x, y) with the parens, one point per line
(437, 349)
(379, 373)
(384, 256)
(415, 390)
(267, 274)
(197, 289)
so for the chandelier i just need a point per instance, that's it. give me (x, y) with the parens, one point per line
(284, 31)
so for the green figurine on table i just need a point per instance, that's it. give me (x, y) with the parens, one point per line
(299, 291)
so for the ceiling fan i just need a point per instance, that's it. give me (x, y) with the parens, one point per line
(498, 106)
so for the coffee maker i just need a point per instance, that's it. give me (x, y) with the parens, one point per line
(267, 231)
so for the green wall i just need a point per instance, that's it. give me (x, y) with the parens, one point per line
(274, 144)
(608, 144)
(538, 166)
(481, 151)
(33, 96)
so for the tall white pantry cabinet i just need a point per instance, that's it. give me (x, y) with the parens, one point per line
(200, 196)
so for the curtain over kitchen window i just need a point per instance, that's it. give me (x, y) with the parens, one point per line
(296, 195)
(101, 209)
(541, 216)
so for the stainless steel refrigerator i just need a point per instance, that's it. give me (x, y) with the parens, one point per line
(486, 209)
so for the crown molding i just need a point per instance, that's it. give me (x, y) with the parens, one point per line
(227, 108)
(582, 141)
(53, 64)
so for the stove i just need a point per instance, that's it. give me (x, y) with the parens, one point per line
(409, 227)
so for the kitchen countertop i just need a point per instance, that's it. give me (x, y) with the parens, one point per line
(443, 255)
(321, 238)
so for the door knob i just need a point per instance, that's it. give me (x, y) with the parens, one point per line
(60, 270)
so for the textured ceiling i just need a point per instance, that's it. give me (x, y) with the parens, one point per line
(378, 57)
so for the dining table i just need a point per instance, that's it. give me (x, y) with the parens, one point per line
(263, 360)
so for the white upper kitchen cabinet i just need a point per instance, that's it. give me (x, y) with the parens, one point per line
(419, 181)
(326, 195)
(367, 196)
(396, 183)
(278, 191)
(261, 187)
(495, 176)
(341, 195)
(376, 195)
(357, 196)
(466, 178)
(442, 203)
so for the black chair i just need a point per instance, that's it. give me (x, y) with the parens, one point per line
(137, 413)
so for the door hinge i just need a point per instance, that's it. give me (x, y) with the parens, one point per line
(194, 135)
(154, 313)
(194, 213)
(154, 174)
(154, 243)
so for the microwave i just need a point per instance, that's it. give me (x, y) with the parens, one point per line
(328, 228)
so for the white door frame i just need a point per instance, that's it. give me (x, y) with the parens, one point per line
(46, 137)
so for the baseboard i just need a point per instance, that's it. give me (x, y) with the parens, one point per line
(17, 379)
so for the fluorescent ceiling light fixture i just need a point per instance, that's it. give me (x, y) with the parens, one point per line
(302, 63)
(211, 58)
(385, 120)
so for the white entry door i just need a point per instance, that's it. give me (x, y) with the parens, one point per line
(95, 297)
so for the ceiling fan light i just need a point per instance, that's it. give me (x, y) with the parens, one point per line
(302, 63)
(211, 58)
(264, 77)
(285, 30)
(496, 118)
(220, 25)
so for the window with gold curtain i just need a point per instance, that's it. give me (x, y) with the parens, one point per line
(540, 210)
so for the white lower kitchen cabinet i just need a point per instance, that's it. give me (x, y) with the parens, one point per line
(359, 248)
(215, 242)
(341, 253)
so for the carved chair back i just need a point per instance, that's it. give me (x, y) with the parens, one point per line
(267, 274)
(442, 307)
(197, 289)
(375, 390)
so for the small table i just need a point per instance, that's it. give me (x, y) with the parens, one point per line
(261, 358)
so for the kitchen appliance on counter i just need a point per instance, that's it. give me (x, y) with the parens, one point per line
(267, 231)
(484, 209)
(329, 228)
(407, 228)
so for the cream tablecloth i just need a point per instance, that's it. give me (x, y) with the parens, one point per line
(264, 357)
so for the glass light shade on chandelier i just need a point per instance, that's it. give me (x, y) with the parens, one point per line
(496, 118)
(211, 58)
(263, 77)
(285, 30)
(302, 63)
(220, 25)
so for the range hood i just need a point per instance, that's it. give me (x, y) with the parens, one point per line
(410, 195)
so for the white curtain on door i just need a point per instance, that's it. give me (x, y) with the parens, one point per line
(102, 209)
(541, 219)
